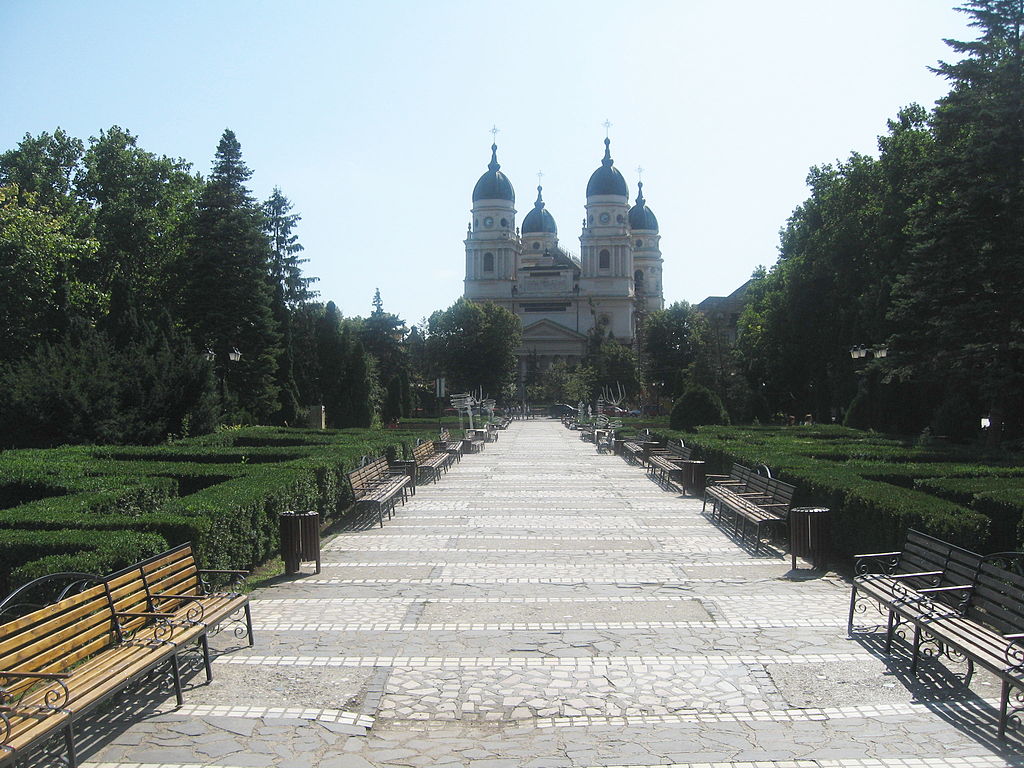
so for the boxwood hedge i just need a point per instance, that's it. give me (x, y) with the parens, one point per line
(879, 486)
(96, 509)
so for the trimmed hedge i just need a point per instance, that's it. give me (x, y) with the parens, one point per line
(876, 486)
(223, 492)
(27, 555)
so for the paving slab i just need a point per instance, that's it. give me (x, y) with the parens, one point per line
(544, 606)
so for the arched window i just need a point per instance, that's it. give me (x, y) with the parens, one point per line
(638, 280)
(488, 262)
(504, 223)
(604, 260)
(639, 243)
(536, 246)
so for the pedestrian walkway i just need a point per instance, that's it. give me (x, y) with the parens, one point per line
(545, 606)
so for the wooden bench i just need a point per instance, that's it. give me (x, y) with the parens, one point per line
(429, 461)
(633, 449)
(374, 483)
(752, 500)
(891, 578)
(452, 447)
(473, 442)
(963, 605)
(59, 662)
(673, 461)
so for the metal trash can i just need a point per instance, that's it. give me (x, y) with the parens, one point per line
(809, 535)
(300, 539)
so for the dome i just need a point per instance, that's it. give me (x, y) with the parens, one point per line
(539, 220)
(607, 180)
(640, 216)
(494, 185)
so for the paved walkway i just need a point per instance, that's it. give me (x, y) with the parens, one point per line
(543, 606)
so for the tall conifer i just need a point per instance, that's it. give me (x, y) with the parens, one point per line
(228, 294)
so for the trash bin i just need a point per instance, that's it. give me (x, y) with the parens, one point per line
(300, 539)
(808, 535)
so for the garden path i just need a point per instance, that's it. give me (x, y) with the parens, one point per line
(543, 606)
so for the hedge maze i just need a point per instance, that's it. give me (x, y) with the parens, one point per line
(97, 509)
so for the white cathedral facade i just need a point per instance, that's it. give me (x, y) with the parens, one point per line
(558, 296)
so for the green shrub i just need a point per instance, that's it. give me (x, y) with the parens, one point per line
(697, 405)
(27, 555)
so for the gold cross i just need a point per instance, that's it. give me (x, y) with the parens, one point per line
(607, 124)
(494, 134)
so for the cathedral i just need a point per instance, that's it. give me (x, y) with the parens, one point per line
(560, 296)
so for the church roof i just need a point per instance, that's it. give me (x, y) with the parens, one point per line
(607, 180)
(494, 185)
(539, 220)
(640, 216)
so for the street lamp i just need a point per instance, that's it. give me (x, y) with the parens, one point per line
(860, 351)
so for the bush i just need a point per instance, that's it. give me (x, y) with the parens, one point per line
(223, 492)
(697, 405)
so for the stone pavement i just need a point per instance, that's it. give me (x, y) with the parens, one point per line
(544, 606)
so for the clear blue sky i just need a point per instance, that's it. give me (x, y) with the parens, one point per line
(373, 117)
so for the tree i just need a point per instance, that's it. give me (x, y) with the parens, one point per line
(46, 166)
(143, 208)
(285, 269)
(228, 294)
(39, 264)
(957, 308)
(137, 381)
(474, 345)
(672, 340)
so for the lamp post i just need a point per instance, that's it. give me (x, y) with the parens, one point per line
(233, 356)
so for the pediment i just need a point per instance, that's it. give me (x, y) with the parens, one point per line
(547, 330)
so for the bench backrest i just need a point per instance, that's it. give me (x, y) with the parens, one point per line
(679, 451)
(780, 492)
(445, 437)
(998, 599)
(362, 477)
(922, 553)
(172, 573)
(423, 451)
(56, 638)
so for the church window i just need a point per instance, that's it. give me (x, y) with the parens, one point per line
(619, 218)
(638, 280)
(536, 246)
(639, 243)
(488, 262)
(604, 320)
(504, 222)
(604, 260)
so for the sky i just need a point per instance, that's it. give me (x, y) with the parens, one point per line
(374, 118)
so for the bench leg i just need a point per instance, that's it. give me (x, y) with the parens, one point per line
(176, 675)
(890, 631)
(205, 644)
(69, 744)
(853, 602)
(248, 619)
(1004, 698)
(916, 649)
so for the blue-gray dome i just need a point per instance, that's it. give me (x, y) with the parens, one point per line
(494, 185)
(607, 180)
(539, 221)
(640, 216)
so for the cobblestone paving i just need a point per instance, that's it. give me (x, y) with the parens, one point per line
(545, 607)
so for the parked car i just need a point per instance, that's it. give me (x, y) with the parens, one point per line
(558, 410)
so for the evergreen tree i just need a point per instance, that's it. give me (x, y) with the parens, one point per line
(228, 293)
(285, 269)
(958, 306)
